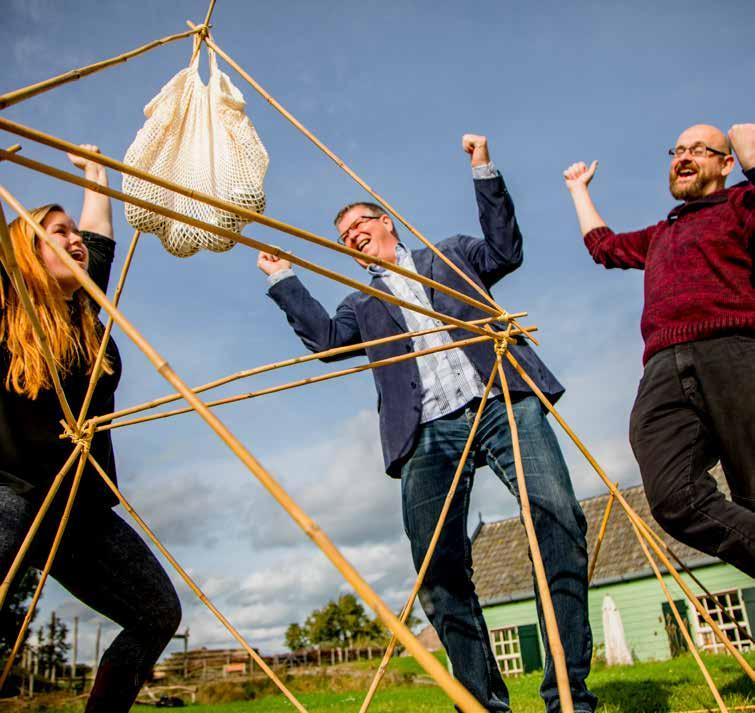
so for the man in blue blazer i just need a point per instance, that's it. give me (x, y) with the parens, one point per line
(426, 407)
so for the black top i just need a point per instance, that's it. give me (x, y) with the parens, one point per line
(31, 452)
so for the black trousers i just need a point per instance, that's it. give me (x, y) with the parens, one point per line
(695, 406)
(106, 565)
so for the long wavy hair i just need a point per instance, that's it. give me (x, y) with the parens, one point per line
(72, 329)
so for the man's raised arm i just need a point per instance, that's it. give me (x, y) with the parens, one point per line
(625, 250)
(317, 330)
(501, 251)
(577, 178)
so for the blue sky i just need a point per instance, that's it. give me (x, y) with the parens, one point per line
(391, 87)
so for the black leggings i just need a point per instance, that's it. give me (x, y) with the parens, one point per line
(107, 566)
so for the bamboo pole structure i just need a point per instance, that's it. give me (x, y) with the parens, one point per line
(54, 142)
(634, 518)
(170, 398)
(601, 534)
(195, 588)
(466, 702)
(35, 525)
(406, 611)
(342, 165)
(20, 95)
(680, 623)
(8, 257)
(97, 368)
(250, 242)
(549, 614)
(292, 384)
(50, 558)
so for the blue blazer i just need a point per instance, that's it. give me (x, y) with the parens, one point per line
(361, 318)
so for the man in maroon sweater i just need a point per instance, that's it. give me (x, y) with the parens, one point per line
(696, 402)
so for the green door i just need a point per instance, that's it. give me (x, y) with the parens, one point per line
(676, 642)
(529, 645)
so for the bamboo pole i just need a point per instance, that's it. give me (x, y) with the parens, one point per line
(406, 611)
(19, 95)
(601, 534)
(170, 398)
(429, 663)
(97, 368)
(203, 30)
(524, 331)
(208, 16)
(735, 708)
(8, 257)
(47, 140)
(687, 638)
(50, 558)
(549, 614)
(195, 588)
(13, 149)
(635, 518)
(35, 525)
(293, 384)
(250, 242)
(342, 165)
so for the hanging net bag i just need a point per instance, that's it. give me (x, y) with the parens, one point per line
(199, 137)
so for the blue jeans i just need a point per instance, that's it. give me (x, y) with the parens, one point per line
(448, 595)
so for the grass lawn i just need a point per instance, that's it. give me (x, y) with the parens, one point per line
(663, 687)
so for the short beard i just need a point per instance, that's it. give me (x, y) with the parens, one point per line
(689, 192)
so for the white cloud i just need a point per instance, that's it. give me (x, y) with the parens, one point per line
(341, 484)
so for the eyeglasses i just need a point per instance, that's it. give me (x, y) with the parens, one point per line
(358, 223)
(698, 151)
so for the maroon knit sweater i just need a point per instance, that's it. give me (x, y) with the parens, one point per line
(698, 264)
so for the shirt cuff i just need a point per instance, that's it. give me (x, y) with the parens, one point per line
(595, 235)
(276, 277)
(487, 170)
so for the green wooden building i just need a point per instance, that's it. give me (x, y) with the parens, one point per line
(503, 578)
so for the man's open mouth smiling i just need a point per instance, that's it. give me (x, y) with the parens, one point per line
(686, 171)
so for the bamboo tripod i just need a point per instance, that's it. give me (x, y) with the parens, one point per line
(80, 430)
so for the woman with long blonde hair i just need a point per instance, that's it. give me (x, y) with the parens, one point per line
(101, 560)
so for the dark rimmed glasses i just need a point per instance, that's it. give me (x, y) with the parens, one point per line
(361, 220)
(697, 150)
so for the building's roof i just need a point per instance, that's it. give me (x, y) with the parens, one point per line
(502, 567)
(429, 638)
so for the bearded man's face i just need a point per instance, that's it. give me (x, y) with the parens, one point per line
(700, 164)
(691, 177)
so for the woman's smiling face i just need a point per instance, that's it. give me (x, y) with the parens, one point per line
(61, 228)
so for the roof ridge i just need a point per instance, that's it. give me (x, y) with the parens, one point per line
(632, 488)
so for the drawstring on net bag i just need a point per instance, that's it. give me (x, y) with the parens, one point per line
(199, 137)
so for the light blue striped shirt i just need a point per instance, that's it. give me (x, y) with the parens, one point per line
(449, 381)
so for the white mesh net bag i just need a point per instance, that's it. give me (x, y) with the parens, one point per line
(198, 136)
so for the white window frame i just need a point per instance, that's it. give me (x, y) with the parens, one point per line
(507, 650)
(734, 604)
